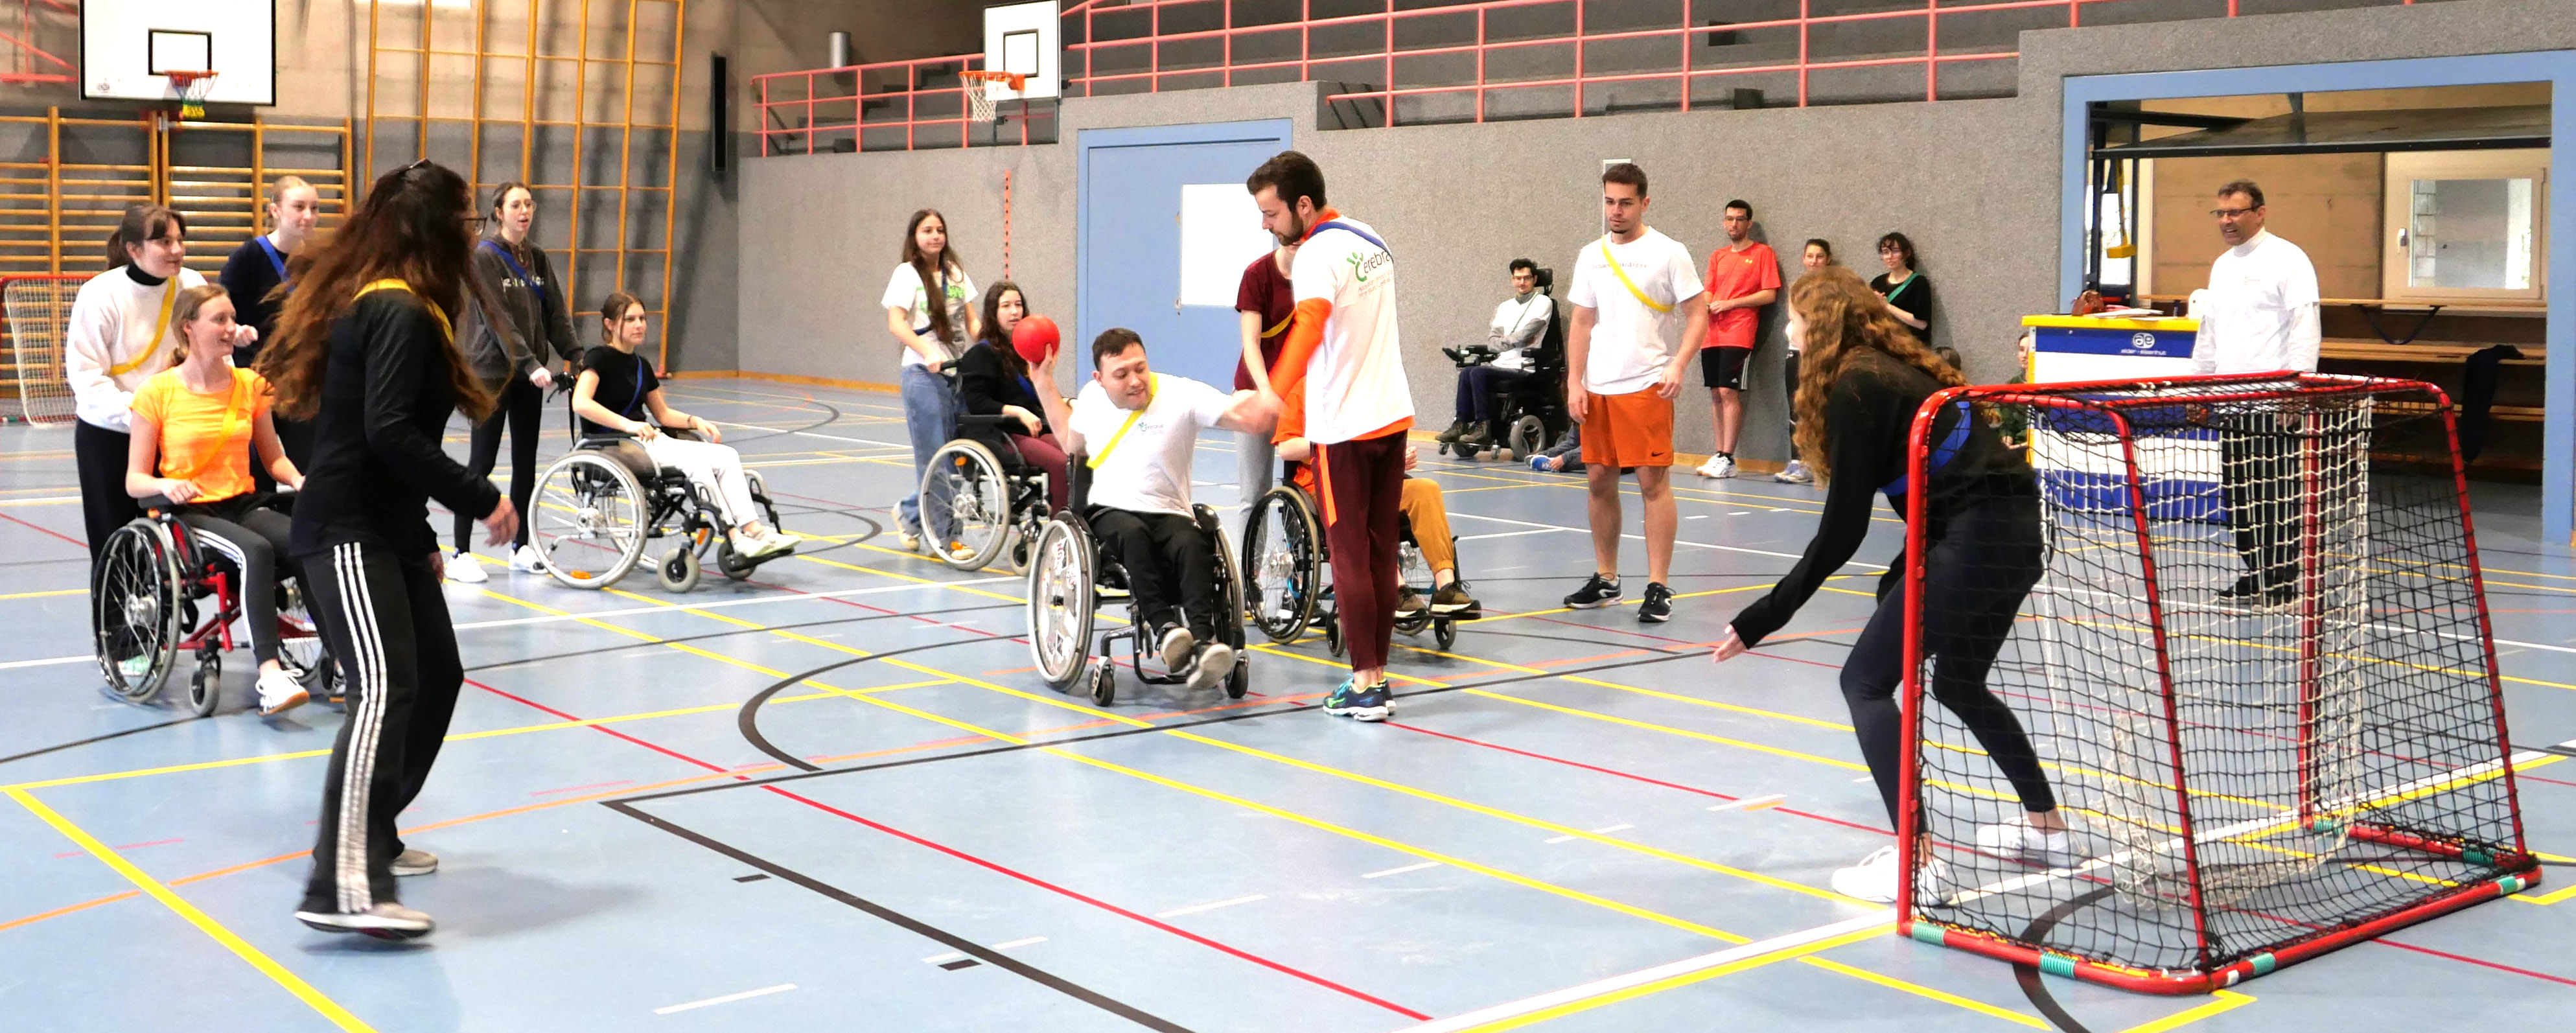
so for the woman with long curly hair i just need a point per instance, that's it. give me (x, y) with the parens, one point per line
(1865, 376)
(366, 349)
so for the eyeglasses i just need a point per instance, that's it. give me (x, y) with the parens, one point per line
(1891, 250)
(2231, 213)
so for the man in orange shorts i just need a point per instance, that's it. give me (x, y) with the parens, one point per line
(1639, 316)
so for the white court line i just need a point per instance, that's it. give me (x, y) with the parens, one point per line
(15, 664)
(1019, 943)
(50, 500)
(942, 959)
(728, 998)
(1196, 908)
(1507, 534)
(1400, 871)
(1686, 966)
(1750, 802)
(631, 611)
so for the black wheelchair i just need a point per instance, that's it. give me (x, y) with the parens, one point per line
(1070, 576)
(145, 592)
(599, 505)
(1534, 408)
(1285, 563)
(979, 498)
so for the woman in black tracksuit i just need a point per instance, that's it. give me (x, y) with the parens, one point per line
(1863, 379)
(365, 348)
(507, 345)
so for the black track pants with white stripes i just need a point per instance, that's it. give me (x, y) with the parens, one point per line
(387, 623)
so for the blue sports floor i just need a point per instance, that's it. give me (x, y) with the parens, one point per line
(1563, 804)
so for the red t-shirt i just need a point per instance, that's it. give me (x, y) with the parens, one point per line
(1734, 274)
(1265, 292)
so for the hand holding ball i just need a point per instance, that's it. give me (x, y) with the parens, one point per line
(1035, 338)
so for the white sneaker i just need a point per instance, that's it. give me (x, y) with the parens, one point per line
(1176, 646)
(909, 539)
(414, 861)
(279, 692)
(135, 667)
(463, 568)
(528, 560)
(1216, 660)
(1717, 468)
(385, 921)
(1876, 878)
(2016, 837)
(752, 547)
(1794, 473)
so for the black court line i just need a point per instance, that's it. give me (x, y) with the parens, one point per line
(890, 916)
(1289, 708)
(97, 739)
(727, 633)
(2559, 750)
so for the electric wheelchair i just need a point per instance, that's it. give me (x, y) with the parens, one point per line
(1071, 576)
(978, 498)
(1533, 409)
(146, 592)
(598, 506)
(1286, 561)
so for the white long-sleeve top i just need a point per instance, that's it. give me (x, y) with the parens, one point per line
(2260, 312)
(111, 324)
(1518, 324)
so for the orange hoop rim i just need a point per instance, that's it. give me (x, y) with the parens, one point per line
(185, 79)
(1015, 80)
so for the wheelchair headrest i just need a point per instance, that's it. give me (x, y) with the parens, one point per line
(1547, 281)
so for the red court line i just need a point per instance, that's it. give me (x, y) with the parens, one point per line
(1629, 776)
(2498, 966)
(1105, 906)
(44, 530)
(980, 862)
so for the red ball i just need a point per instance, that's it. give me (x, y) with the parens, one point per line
(1035, 338)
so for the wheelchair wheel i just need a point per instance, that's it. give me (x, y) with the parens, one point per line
(1333, 636)
(589, 520)
(1529, 435)
(679, 570)
(1229, 580)
(1445, 632)
(206, 683)
(1060, 602)
(1282, 563)
(134, 608)
(965, 505)
(1104, 684)
(301, 649)
(1239, 681)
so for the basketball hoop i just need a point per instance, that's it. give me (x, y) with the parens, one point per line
(980, 87)
(191, 89)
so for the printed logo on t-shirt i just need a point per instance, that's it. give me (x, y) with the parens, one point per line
(1364, 266)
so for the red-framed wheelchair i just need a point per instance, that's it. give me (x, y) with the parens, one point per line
(154, 595)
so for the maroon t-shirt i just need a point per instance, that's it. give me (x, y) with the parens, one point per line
(1264, 292)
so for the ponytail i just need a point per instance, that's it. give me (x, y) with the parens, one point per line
(142, 222)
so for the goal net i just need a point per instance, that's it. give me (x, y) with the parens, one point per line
(35, 311)
(2256, 670)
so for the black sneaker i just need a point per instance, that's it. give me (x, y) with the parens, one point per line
(1477, 437)
(1455, 429)
(1452, 601)
(1408, 604)
(2245, 588)
(1595, 594)
(1658, 606)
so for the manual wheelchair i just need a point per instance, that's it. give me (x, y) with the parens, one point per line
(1286, 561)
(1067, 569)
(598, 506)
(1533, 409)
(978, 497)
(144, 612)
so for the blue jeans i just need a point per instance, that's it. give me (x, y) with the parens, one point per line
(930, 417)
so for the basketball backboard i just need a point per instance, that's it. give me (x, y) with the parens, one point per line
(1024, 38)
(129, 46)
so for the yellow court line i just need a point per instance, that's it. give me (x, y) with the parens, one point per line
(2222, 1001)
(1675, 982)
(294, 984)
(1894, 983)
(1668, 730)
(40, 595)
(1537, 823)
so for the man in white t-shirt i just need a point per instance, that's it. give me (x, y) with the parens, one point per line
(1640, 313)
(1342, 346)
(1511, 352)
(2259, 315)
(1140, 429)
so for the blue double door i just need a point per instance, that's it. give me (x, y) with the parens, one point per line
(1129, 269)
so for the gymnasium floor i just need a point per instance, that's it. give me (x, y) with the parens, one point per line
(1565, 798)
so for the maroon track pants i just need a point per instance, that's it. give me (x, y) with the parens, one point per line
(1363, 488)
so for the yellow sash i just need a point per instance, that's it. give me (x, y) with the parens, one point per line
(397, 285)
(234, 410)
(1283, 324)
(169, 301)
(1622, 274)
(1102, 456)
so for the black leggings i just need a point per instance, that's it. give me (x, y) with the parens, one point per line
(251, 532)
(1976, 574)
(1163, 552)
(521, 403)
(99, 454)
(387, 624)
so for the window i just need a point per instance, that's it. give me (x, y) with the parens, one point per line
(2466, 226)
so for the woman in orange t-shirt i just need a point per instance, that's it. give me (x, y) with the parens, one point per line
(193, 424)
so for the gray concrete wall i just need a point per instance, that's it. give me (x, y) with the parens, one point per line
(1973, 182)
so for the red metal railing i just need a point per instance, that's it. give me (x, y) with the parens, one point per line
(1208, 46)
(784, 96)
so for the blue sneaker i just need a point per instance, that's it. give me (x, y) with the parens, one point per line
(1369, 704)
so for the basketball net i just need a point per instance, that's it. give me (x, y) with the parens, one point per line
(980, 87)
(192, 88)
